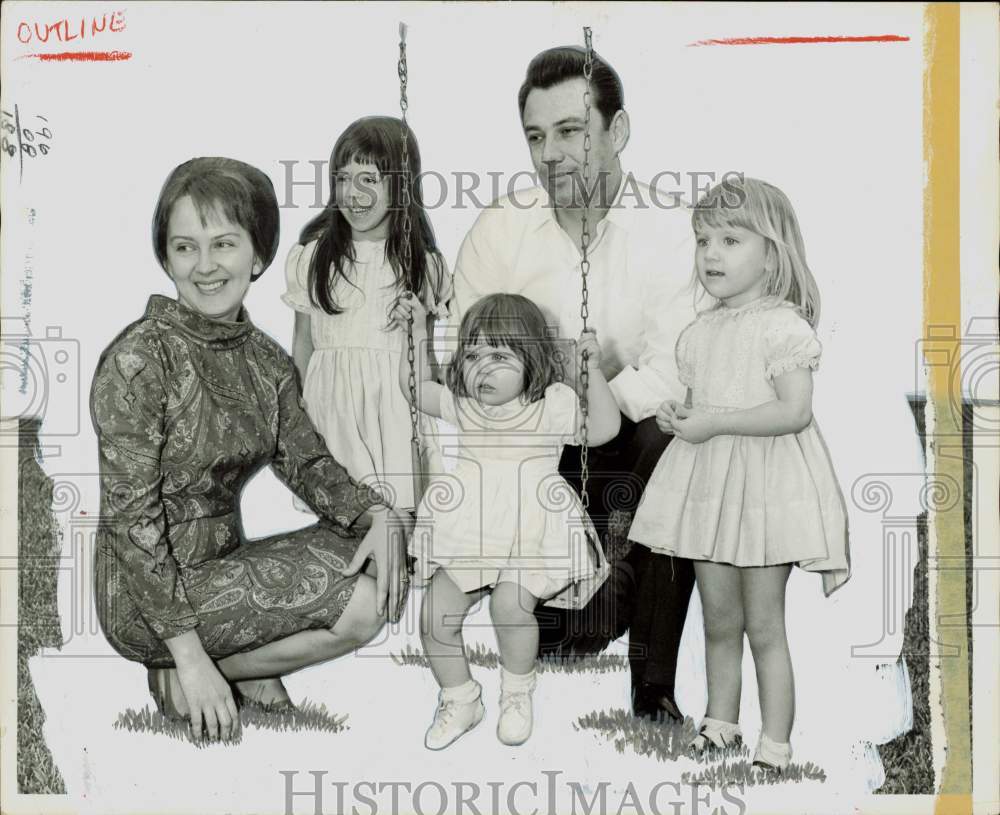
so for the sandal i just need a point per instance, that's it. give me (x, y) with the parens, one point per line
(771, 755)
(279, 701)
(714, 735)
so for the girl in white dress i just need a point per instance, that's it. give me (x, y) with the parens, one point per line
(504, 521)
(344, 277)
(747, 488)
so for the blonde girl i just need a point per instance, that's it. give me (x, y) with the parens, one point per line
(747, 488)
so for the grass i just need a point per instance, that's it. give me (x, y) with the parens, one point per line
(482, 657)
(305, 716)
(37, 612)
(907, 759)
(669, 741)
(665, 742)
(745, 774)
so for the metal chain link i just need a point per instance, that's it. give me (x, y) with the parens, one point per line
(588, 72)
(405, 201)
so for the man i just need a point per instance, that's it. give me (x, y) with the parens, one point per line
(640, 260)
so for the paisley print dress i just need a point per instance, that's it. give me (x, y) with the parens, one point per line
(187, 409)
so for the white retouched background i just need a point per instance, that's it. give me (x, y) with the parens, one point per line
(837, 127)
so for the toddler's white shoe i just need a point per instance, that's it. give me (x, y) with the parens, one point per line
(514, 726)
(459, 710)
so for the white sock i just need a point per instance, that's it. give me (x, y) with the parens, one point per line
(467, 692)
(516, 682)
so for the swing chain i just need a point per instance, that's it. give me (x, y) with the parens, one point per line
(405, 198)
(588, 71)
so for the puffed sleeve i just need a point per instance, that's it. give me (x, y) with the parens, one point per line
(296, 294)
(789, 342)
(438, 288)
(128, 406)
(304, 464)
(685, 356)
(561, 416)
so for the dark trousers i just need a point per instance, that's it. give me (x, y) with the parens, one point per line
(646, 593)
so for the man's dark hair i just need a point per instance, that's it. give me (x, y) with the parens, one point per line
(557, 65)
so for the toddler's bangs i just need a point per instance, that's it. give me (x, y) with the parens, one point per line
(725, 207)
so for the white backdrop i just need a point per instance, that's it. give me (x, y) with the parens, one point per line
(837, 127)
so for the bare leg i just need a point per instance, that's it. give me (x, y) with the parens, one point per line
(356, 626)
(719, 587)
(764, 607)
(257, 673)
(441, 616)
(512, 608)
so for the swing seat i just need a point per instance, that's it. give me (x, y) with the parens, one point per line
(567, 634)
(579, 593)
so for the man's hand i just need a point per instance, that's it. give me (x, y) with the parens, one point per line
(385, 544)
(694, 426)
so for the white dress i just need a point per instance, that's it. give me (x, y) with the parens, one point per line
(505, 514)
(747, 500)
(351, 388)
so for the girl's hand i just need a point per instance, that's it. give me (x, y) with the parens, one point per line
(694, 426)
(665, 416)
(407, 305)
(587, 344)
(209, 698)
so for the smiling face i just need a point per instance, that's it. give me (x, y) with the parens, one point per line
(492, 374)
(731, 263)
(553, 121)
(211, 262)
(362, 196)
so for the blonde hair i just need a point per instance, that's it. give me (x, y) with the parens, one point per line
(763, 208)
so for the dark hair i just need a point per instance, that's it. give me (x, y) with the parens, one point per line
(244, 194)
(372, 140)
(509, 321)
(557, 65)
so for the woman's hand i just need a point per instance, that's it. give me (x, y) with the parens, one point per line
(588, 350)
(407, 305)
(385, 544)
(694, 426)
(206, 691)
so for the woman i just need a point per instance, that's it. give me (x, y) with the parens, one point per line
(188, 403)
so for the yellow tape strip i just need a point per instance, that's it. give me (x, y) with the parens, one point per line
(943, 318)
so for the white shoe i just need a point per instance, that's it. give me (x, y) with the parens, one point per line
(772, 755)
(514, 726)
(453, 719)
(715, 734)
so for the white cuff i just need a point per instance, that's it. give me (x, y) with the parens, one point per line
(635, 398)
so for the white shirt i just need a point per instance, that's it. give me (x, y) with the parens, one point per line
(640, 293)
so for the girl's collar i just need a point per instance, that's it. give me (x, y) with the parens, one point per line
(369, 250)
(764, 303)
